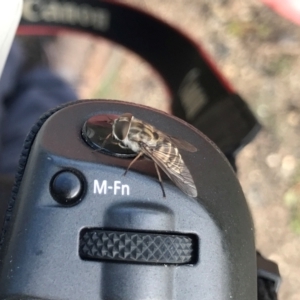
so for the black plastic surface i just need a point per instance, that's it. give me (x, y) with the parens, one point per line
(40, 256)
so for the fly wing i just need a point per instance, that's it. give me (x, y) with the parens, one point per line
(182, 144)
(168, 158)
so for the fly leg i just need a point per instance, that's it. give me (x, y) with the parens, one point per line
(105, 140)
(160, 181)
(132, 162)
(102, 145)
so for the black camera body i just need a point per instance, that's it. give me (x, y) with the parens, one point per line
(78, 229)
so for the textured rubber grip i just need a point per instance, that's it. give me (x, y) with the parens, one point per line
(137, 247)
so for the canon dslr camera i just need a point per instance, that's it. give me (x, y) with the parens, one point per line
(76, 228)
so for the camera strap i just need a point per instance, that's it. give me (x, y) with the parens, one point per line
(199, 93)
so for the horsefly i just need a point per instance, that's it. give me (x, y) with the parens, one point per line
(144, 139)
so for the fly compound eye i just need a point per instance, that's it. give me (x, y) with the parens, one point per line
(97, 133)
(121, 128)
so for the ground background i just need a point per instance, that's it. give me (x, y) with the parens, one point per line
(258, 51)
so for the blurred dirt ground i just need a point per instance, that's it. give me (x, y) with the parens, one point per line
(258, 51)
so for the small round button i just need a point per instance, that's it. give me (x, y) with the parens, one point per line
(67, 187)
